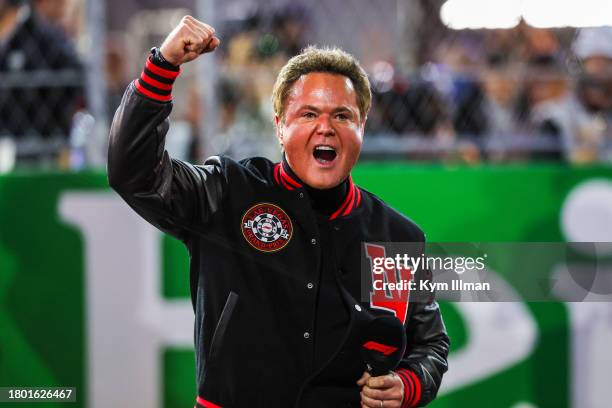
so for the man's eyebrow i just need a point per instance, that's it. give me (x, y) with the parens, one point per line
(342, 108)
(310, 107)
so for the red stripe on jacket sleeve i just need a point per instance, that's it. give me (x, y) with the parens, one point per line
(408, 388)
(412, 387)
(160, 87)
(155, 83)
(146, 92)
(162, 72)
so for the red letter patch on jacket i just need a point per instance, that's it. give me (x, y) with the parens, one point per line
(390, 289)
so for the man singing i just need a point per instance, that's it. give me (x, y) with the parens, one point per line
(275, 248)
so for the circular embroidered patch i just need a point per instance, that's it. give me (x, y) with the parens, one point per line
(267, 227)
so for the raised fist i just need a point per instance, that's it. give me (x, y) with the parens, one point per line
(188, 40)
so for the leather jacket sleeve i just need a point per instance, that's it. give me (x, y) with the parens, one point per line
(425, 359)
(174, 196)
(428, 346)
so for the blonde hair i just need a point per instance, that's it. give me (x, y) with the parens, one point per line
(314, 59)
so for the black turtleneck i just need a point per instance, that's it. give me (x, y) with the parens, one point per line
(332, 316)
(323, 201)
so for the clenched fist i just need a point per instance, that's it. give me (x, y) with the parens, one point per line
(188, 40)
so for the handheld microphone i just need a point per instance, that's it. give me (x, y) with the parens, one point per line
(383, 345)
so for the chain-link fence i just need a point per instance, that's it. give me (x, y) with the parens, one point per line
(42, 83)
(441, 94)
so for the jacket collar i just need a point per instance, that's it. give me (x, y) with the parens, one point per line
(288, 180)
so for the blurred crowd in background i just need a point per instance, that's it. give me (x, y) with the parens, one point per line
(504, 95)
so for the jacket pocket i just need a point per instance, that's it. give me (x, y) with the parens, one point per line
(222, 324)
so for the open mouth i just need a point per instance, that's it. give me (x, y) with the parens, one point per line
(324, 154)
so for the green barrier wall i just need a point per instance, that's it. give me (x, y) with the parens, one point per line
(42, 278)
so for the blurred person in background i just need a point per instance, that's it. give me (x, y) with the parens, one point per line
(463, 57)
(469, 118)
(410, 108)
(592, 104)
(116, 70)
(413, 109)
(483, 112)
(580, 118)
(289, 27)
(504, 87)
(53, 11)
(41, 75)
(501, 86)
(248, 127)
(458, 96)
(545, 98)
(486, 107)
(66, 15)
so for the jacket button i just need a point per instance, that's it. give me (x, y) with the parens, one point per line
(313, 241)
(358, 308)
(310, 285)
(337, 227)
(306, 335)
(301, 195)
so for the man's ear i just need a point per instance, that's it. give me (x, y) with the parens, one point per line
(278, 127)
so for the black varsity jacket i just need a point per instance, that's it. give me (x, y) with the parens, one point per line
(256, 258)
